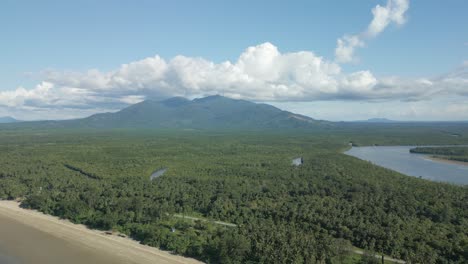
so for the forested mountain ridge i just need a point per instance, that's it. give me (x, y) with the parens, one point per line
(208, 112)
(212, 112)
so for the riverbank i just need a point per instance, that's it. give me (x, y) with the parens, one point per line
(448, 161)
(29, 236)
(400, 159)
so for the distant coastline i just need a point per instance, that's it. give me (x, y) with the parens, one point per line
(29, 233)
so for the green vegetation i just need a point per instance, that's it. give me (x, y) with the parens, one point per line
(449, 153)
(284, 214)
(212, 112)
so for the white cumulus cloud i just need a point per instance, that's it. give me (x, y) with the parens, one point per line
(261, 73)
(345, 47)
(393, 12)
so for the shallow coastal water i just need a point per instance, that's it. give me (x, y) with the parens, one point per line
(5, 258)
(399, 158)
(22, 244)
(30, 237)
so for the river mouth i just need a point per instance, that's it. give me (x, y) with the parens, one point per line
(398, 158)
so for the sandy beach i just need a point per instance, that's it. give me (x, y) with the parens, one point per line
(456, 162)
(28, 236)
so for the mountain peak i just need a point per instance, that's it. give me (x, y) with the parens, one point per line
(176, 101)
(211, 112)
(210, 98)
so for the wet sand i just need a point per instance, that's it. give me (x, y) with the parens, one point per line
(30, 237)
(456, 162)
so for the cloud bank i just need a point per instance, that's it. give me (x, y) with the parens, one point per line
(261, 73)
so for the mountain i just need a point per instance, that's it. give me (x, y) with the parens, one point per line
(7, 119)
(212, 112)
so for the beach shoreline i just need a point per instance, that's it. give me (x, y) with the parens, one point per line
(455, 162)
(78, 239)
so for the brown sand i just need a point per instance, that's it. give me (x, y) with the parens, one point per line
(456, 162)
(32, 237)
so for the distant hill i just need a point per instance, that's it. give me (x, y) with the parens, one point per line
(7, 119)
(389, 121)
(377, 120)
(212, 112)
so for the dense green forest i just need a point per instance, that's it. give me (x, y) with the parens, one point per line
(282, 213)
(450, 153)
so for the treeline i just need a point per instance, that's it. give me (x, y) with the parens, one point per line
(284, 214)
(451, 153)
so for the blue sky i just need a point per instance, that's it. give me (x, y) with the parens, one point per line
(63, 59)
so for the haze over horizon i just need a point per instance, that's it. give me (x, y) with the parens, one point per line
(386, 59)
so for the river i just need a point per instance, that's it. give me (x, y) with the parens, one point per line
(399, 158)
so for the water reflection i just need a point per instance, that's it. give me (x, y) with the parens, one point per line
(399, 158)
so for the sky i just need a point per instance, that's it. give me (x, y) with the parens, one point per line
(333, 60)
